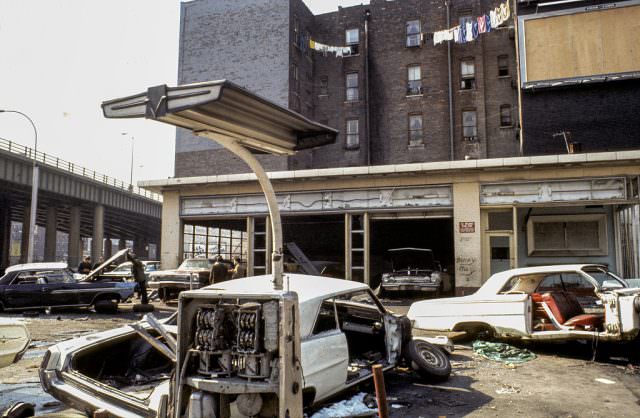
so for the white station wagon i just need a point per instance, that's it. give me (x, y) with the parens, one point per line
(559, 302)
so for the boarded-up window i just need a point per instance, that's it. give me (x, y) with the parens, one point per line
(582, 44)
(579, 235)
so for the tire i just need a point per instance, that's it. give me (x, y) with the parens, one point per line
(428, 360)
(106, 306)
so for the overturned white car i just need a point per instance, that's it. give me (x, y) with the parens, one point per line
(225, 359)
(560, 302)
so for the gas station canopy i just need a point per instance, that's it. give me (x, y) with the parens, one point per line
(223, 108)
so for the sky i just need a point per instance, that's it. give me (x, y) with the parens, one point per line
(60, 59)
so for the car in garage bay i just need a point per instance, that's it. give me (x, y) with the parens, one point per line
(415, 269)
(557, 302)
(229, 334)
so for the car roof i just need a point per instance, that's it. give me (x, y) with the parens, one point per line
(498, 280)
(306, 286)
(36, 266)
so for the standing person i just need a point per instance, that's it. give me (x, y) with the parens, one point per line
(85, 266)
(219, 271)
(138, 275)
(99, 263)
(239, 269)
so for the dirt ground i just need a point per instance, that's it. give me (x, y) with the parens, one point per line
(561, 382)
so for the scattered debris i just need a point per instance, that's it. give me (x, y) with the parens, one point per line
(84, 318)
(442, 387)
(507, 390)
(346, 408)
(605, 381)
(502, 352)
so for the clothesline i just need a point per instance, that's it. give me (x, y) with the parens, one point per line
(470, 30)
(340, 51)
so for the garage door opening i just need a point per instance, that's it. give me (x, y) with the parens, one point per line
(434, 234)
(318, 238)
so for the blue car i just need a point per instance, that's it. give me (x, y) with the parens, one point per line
(53, 285)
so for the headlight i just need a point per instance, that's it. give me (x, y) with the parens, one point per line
(385, 277)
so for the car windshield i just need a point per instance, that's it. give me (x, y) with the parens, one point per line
(151, 267)
(123, 268)
(195, 263)
(411, 259)
(605, 278)
(49, 276)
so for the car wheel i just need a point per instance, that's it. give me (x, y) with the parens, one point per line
(106, 306)
(428, 360)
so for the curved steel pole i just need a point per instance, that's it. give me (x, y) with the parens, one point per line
(34, 188)
(243, 153)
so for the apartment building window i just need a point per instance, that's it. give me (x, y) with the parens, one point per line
(352, 87)
(296, 32)
(352, 36)
(465, 16)
(353, 133)
(352, 39)
(469, 125)
(414, 83)
(295, 75)
(324, 86)
(503, 65)
(415, 130)
(505, 116)
(467, 74)
(413, 33)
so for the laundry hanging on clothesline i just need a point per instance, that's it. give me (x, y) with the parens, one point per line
(470, 30)
(339, 51)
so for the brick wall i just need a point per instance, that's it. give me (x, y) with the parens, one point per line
(207, 24)
(245, 41)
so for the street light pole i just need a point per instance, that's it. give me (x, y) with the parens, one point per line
(34, 188)
(131, 171)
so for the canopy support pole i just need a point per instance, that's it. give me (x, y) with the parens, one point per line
(232, 145)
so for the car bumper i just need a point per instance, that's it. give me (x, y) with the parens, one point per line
(423, 287)
(170, 284)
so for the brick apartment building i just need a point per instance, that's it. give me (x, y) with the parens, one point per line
(389, 99)
(412, 168)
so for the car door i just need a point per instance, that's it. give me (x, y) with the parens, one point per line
(23, 292)
(60, 289)
(325, 354)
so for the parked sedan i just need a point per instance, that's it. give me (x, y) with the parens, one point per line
(231, 329)
(124, 271)
(193, 273)
(560, 302)
(53, 285)
(415, 269)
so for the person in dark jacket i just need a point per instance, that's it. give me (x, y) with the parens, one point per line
(137, 269)
(219, 271)
(85, 266)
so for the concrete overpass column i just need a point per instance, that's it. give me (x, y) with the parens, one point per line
(50, 237)
(97, 242)
(74, 238)
(107, 248)
(140, 248)
(24, 242)
(5, 234)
